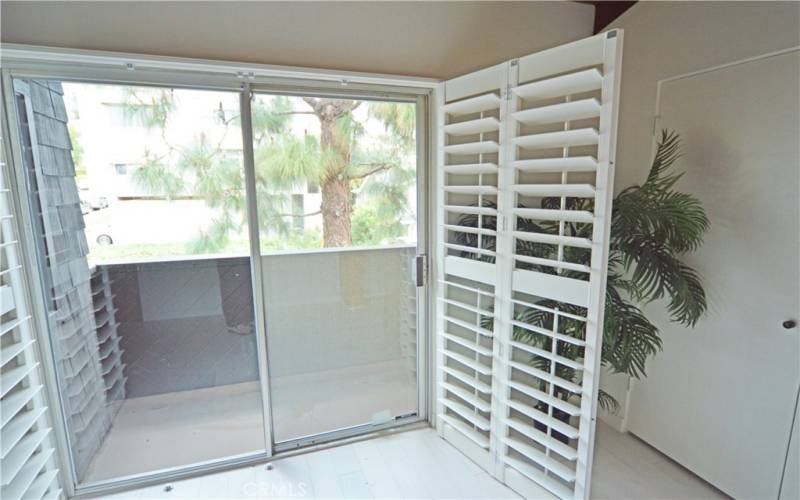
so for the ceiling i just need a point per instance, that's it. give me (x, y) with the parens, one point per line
(430, 39)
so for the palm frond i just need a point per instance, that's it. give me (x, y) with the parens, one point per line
(667, 151)
(629, 338)
(607, 402)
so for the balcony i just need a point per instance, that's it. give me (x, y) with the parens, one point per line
(342, 333)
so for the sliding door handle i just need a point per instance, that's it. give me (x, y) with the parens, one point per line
(420, 269)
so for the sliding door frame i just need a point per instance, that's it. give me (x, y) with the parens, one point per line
(27, 62)
(423, 293)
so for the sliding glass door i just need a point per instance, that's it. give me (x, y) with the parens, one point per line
(138, 199)
(206, 309)
(337, 212)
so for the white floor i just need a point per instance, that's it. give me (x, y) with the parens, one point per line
(418, 464)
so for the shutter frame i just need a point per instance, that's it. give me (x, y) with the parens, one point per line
(532, 91)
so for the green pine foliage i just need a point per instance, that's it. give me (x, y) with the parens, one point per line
(379, 173)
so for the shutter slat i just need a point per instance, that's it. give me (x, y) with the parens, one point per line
(15, 376)
(463, 377)
(488, 190)
(554, 239)
(26, 476)
(470, 127)
(471, 168)
(468, 307)
(467, 414)
(570, 164)
(469, 363)
(553, 263)
(14, 324)
(553, 190)
(464, 248)
(535, 475)
(560, 288)
(6, 299)
(42, 483)
(567, 111)
(14, 402)
(473, 435)
(467, 288)
(555, 402)
(20, 454)
(547, 377)
(546, 214)
(470, 209)
(573, 83)
(550, 422)
(472, 105)
(470, 229)
(549, 333)
(548, 463)
(16, 429)
(548, 140)
(469, 326)
(543, 439)
(472, 148)
(466, 343)
(12, 351)
(547, 354)
(472, 399)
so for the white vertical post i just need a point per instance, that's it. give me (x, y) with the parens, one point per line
(612, 58)
(504, 309)
(437, 262)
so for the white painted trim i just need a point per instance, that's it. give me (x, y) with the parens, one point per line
(19, 61)
(37, 56)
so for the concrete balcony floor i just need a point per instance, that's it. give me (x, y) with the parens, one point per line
(181, 428)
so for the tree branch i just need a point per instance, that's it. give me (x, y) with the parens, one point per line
(301, 215)
(377, 167)
(313, 102)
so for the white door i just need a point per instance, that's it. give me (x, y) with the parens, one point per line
(720, 398)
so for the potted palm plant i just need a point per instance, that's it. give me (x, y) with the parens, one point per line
(653, 228)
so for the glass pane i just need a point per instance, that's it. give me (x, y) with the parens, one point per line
(139, 197)
(336, 184)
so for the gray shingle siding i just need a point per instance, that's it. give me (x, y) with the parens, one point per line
(72, 319)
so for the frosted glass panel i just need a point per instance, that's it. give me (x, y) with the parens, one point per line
(336, 183)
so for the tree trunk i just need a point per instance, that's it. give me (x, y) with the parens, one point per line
(336, 213)
(337, 207)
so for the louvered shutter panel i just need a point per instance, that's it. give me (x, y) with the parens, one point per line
(27, 461)
(469, 154)
(542, 272)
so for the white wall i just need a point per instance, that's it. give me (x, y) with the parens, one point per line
(665, 39)
(439, 40)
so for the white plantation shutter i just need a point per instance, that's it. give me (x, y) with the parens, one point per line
(519, 333)
(27, 461)
(469, 155)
